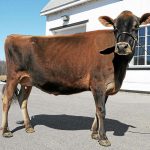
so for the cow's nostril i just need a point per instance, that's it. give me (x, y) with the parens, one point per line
(118, 46)
(126, 46)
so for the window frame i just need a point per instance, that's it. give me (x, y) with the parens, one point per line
(145, 65)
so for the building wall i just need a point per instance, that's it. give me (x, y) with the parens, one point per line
(91, 11)
(135, 79)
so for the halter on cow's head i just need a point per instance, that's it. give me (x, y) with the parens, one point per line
(126, 27)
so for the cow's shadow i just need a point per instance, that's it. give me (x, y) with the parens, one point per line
(68, 122)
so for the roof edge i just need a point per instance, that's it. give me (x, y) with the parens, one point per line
(62, 7)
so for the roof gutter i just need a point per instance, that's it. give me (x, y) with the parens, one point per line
(44, 13)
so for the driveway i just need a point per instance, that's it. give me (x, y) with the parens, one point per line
(63, 122)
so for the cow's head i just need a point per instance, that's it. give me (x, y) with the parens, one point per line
(126, 27)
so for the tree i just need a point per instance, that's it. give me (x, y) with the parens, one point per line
(2, 67)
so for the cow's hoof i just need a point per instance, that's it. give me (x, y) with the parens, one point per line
(95, 135)
(7, 134)
(105, 143)
(30, 130)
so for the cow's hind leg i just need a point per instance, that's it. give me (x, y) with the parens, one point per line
(6, 102)
(23, 100)
(99, 97)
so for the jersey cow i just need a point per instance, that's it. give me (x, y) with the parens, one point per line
(94, 61)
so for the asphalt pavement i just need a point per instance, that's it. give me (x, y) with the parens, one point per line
(64, 122)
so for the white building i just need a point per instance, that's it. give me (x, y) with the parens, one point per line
(74, 16)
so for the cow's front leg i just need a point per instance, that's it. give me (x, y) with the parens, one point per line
(94, 128)
(95, 125)
(98, 124)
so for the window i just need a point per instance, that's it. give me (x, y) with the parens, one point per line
(142, 51)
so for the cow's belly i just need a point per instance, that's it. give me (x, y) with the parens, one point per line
(59, 89)
(60, 84)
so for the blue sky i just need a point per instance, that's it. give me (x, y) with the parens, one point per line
(20, 17)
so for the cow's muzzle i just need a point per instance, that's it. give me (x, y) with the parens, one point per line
(123, 48)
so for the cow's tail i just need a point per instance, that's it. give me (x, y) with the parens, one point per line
(16, 93)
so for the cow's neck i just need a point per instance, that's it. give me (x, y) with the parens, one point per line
(120, 66)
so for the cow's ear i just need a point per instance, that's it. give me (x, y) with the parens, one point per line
(106, 21)
(145, 19)
(107, 51)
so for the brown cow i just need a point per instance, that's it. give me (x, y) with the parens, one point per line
(70, 64)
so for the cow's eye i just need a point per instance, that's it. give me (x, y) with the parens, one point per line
(136, 27)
